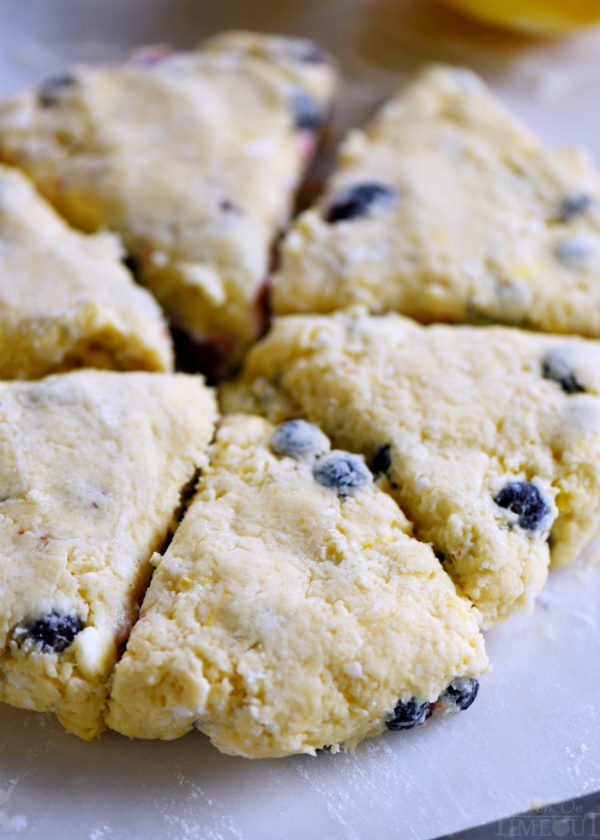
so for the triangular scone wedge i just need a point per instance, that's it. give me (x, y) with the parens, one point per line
(92, 468)
(193, 158)
(293, 610)
(446, 209)
(489, 436)
(66, 299)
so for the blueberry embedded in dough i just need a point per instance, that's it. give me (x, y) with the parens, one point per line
(556, 368)
(54, 88)
(460, 694)
(306, 51)
(343, 472)
(573, 205)
(132, 264)
(308, 116)
(300, 440)
(409, 713)
(52, 633)
(575, 253)
(525, 500)
(359, 201)
(381, 461)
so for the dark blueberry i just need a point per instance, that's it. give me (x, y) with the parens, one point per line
(526, 500)
(53, 88)
(573, 253)
(459, 695)
(306, 51)
(408, 714)
(358, 202)
(572, 206)
(381, 460)
(54, 632)
(557, 369)
(132, 263)
(307, 114)
(299, 439)
(342, 472)
(226, 205)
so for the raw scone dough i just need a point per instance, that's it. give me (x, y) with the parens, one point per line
(92, 467)
(66, 300)
(446, 209)
(489, 436)
(193, 158)
(293, 609)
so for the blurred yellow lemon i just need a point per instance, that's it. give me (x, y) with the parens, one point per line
(538, 17)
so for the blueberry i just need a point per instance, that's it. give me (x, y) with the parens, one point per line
(526, 500)
(556, 368)
(408, 714)
(358, 202)
(52, 89)
(301, 49)
(299, 439)
(307, 114)
(342, 472)
(572, 206)
(459, 695)
(132, 264)
(574, 253)
(381, 460)
(54, 632)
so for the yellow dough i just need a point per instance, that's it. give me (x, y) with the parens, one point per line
(92, 467)
(193, 158)
(446, 209)
(66, 300)
(489, 436)
(293, 610)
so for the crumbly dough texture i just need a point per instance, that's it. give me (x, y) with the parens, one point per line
(452, 415)
(92, 468)
(482, 223)
(284, 617)
(66, 300)
(193, 158)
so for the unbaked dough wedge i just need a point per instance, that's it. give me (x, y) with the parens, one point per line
(293, 610)
(445, 208)
(66, 300)
(489, 436)
(92, 468)
(193, 158)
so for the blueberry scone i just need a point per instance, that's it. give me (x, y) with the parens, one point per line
(488, 437)
(293, 609)
(446, 209)
(193, 158)
(66, 299)
(92, 469)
